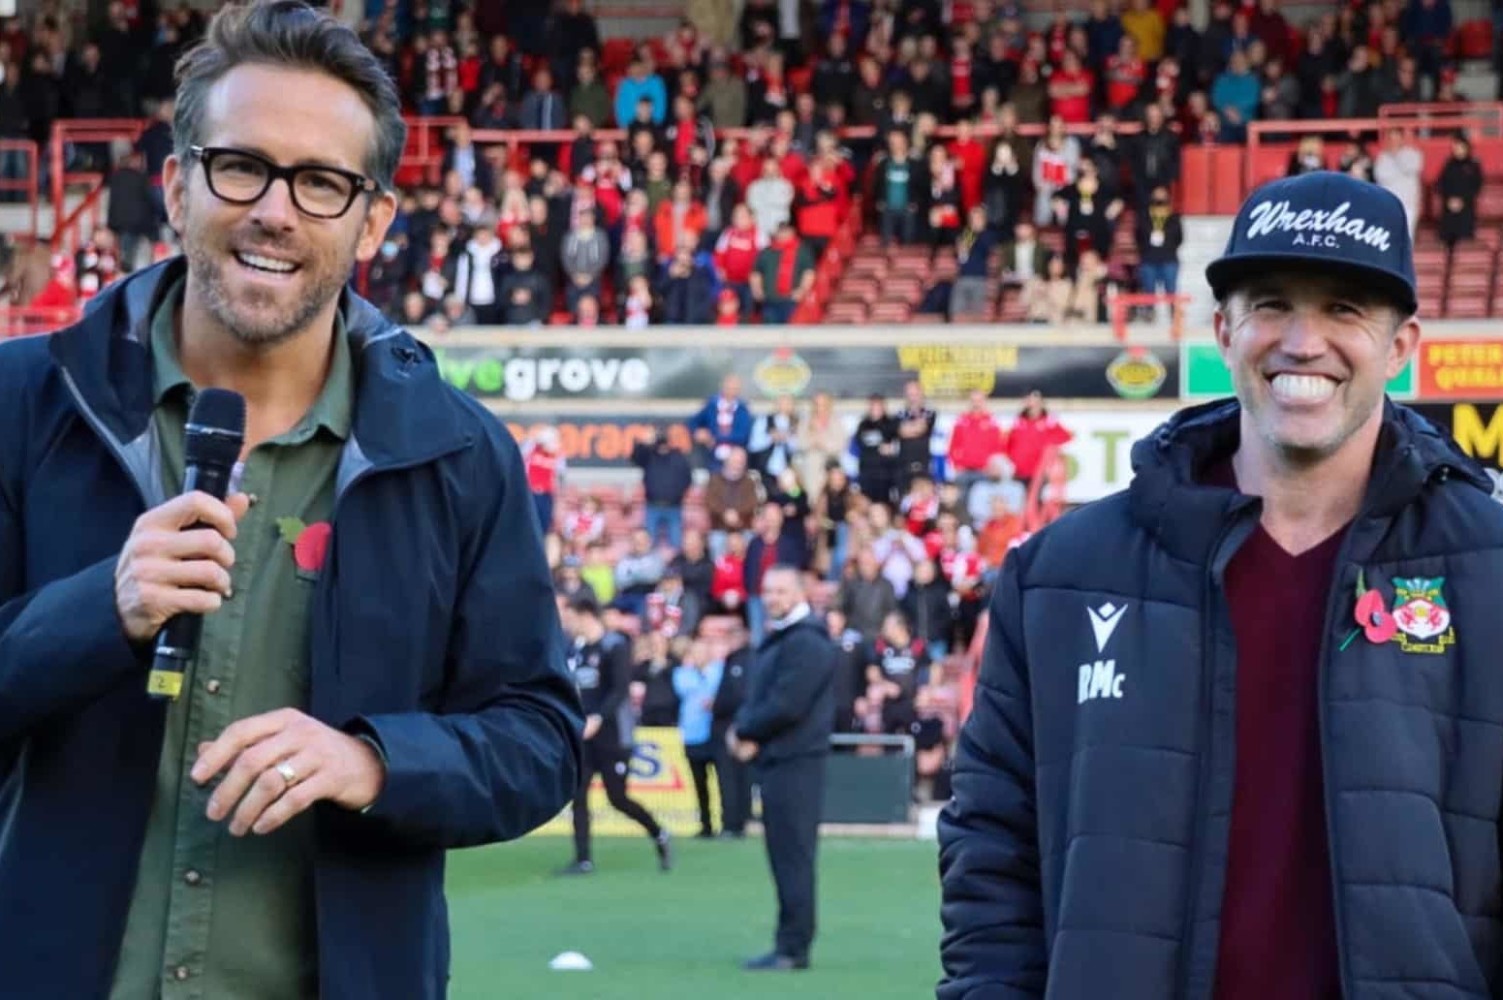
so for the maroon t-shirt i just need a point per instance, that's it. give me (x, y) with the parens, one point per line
(1278, 932)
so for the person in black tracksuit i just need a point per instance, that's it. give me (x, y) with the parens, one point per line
(915, 422)
(600, 661)
(733, 776)
(785, 727)
(876, 443)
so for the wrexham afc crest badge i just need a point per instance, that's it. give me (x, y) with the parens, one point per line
(1420, 612)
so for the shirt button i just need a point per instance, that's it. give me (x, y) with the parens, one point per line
(212, 686)
(192, 877)
(180, 973)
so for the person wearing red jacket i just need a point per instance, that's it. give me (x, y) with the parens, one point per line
(545, 465)
(60, 293)
(790, 161)
(679, 221)
(736, 255)
(1125, 74)
(1070, 90)
(820, 200)
(728, 583)
(1034, 433)
(969, 157)
(974, 441)
(747, 158)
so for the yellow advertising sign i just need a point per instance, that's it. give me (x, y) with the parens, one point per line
(660, 779)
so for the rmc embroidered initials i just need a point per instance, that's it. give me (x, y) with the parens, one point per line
(1099, 680)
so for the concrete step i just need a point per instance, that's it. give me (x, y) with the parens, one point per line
(1476, 82)
(16, 219)
(1205, 240)
(636, 27)
(636, 18)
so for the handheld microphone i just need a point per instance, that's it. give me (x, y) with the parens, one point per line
(215, 432)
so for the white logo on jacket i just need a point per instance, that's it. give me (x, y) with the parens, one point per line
(1104, 622)
(1099, 678)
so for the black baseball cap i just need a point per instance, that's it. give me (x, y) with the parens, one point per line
(1323, 221)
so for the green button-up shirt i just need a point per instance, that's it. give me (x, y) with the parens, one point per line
(215, 916)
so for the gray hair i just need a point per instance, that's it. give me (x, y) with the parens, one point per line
(289, 33)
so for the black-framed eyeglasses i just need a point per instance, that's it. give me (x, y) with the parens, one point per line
(242, 178)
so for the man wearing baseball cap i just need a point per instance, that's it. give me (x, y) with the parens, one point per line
(1238, 731)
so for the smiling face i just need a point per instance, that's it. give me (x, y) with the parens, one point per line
(265, 272)
(1310, 356)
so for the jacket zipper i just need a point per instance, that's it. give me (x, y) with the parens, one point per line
(1325, 767)
(111, 442)
(1208, 644)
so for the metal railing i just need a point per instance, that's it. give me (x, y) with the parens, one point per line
(1446, 120)
(1120, 304)
(76, 132)
(27, 183)
(903, 742)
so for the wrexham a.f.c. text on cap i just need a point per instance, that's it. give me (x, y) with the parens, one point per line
(1321, 221)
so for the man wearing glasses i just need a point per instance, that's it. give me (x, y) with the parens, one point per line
(380, 675)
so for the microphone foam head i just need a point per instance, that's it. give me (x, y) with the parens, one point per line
(216, 428)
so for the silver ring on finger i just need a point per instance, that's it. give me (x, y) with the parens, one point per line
(288, 773)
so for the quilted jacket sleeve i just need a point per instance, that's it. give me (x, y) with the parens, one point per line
(993, 945)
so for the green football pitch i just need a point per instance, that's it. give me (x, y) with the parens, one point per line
(652, 935)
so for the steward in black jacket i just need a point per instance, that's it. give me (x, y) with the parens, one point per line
(790, 702)
(785, 726)
(732, 775)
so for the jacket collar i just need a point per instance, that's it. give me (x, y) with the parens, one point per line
(404, 413)
(1167, 497)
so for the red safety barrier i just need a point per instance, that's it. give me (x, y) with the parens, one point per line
(1211, 179)
(26, 184)
(1120, 304)
(81, 133)
(1488, 115)
(424, 153)
(1268, 160)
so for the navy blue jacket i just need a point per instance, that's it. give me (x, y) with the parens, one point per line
(434, 630)
(706, 419)
(790, 699)
(1084, 851)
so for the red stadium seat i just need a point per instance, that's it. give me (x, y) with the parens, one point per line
(1474, 39)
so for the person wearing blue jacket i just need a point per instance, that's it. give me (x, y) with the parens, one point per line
(1236, 730)
(380, 674)
(640, 83)
(723, 423)
(696, 682)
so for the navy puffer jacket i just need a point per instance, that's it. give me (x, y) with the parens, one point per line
(1084, 852)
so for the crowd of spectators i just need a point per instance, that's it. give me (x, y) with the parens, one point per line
(944, 89)
(901, 542)
(679, 222)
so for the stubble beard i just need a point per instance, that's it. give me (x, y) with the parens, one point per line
(1298, 454)
(256, 319)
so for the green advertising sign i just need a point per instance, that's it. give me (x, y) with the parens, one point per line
(1202, 375)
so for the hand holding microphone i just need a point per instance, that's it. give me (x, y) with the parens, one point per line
(175, 566)
(165, 570)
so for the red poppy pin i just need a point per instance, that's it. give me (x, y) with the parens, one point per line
(1371, 614)
(310, 542)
